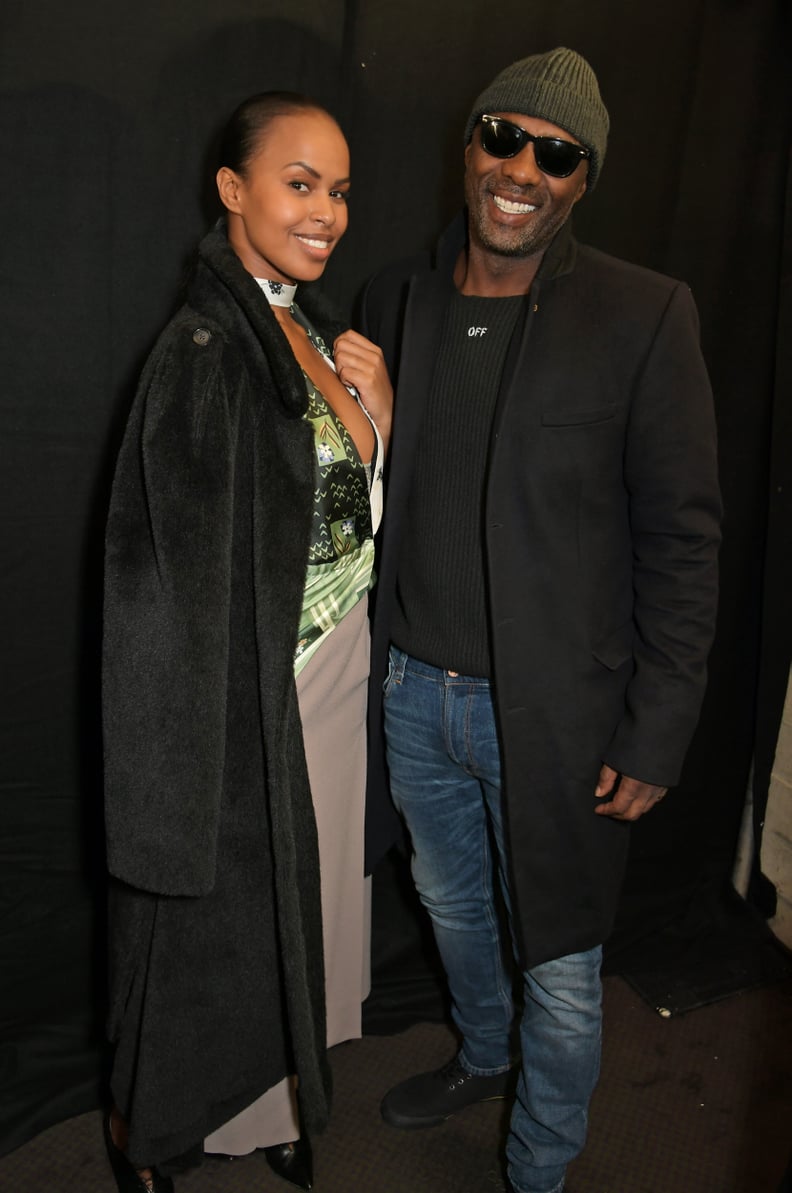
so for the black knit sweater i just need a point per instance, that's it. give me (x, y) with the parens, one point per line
(441, 615)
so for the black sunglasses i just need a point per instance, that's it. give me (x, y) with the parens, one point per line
(502, 138)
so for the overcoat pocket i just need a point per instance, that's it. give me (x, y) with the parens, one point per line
(616, 647)
(578, 417)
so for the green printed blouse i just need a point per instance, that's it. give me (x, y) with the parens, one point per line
(347, 507)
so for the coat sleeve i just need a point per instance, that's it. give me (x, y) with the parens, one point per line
(670, 472)
(166, 621)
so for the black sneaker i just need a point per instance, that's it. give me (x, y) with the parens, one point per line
(430, 1098)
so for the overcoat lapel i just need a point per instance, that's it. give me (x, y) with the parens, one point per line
(423, 325)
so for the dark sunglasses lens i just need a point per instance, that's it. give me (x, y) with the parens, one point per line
(557, 158)
(501, 139)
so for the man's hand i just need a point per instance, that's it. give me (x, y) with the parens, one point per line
(630, 798)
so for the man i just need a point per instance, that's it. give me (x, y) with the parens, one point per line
(547, 589)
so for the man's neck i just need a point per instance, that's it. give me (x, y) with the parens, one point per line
(492, 276)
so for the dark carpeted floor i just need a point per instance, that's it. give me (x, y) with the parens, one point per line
(700, 1103)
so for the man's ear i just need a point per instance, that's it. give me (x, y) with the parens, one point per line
(228, 187)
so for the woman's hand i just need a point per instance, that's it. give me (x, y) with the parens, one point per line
(361, 364)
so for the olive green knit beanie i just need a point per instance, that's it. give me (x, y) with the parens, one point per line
(558, 86)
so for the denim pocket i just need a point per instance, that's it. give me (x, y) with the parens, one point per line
(395, 671)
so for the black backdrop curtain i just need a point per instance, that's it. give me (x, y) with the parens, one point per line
(108, 113)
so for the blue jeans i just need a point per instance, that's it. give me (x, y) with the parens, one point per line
(444, 763)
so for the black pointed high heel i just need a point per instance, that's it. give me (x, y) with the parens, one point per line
(291, 1161)
(127, 1178)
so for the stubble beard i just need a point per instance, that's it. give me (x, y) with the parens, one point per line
(502, 241)
(512, 242)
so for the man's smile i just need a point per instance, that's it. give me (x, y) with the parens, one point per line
(512, 206)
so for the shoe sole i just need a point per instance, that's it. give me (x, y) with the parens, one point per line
(405, 1122)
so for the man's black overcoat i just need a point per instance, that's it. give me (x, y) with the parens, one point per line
(601, 530)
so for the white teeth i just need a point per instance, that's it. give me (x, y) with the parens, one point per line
(315, 244)
(510, 207)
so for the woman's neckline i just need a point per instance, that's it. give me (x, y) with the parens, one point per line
(279, 294)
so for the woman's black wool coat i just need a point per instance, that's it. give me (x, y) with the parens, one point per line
(217, 981)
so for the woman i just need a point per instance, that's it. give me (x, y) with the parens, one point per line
(239, 554)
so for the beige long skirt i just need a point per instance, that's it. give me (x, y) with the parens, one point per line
(331, 690)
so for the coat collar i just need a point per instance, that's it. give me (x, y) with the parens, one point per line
(223, 288)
